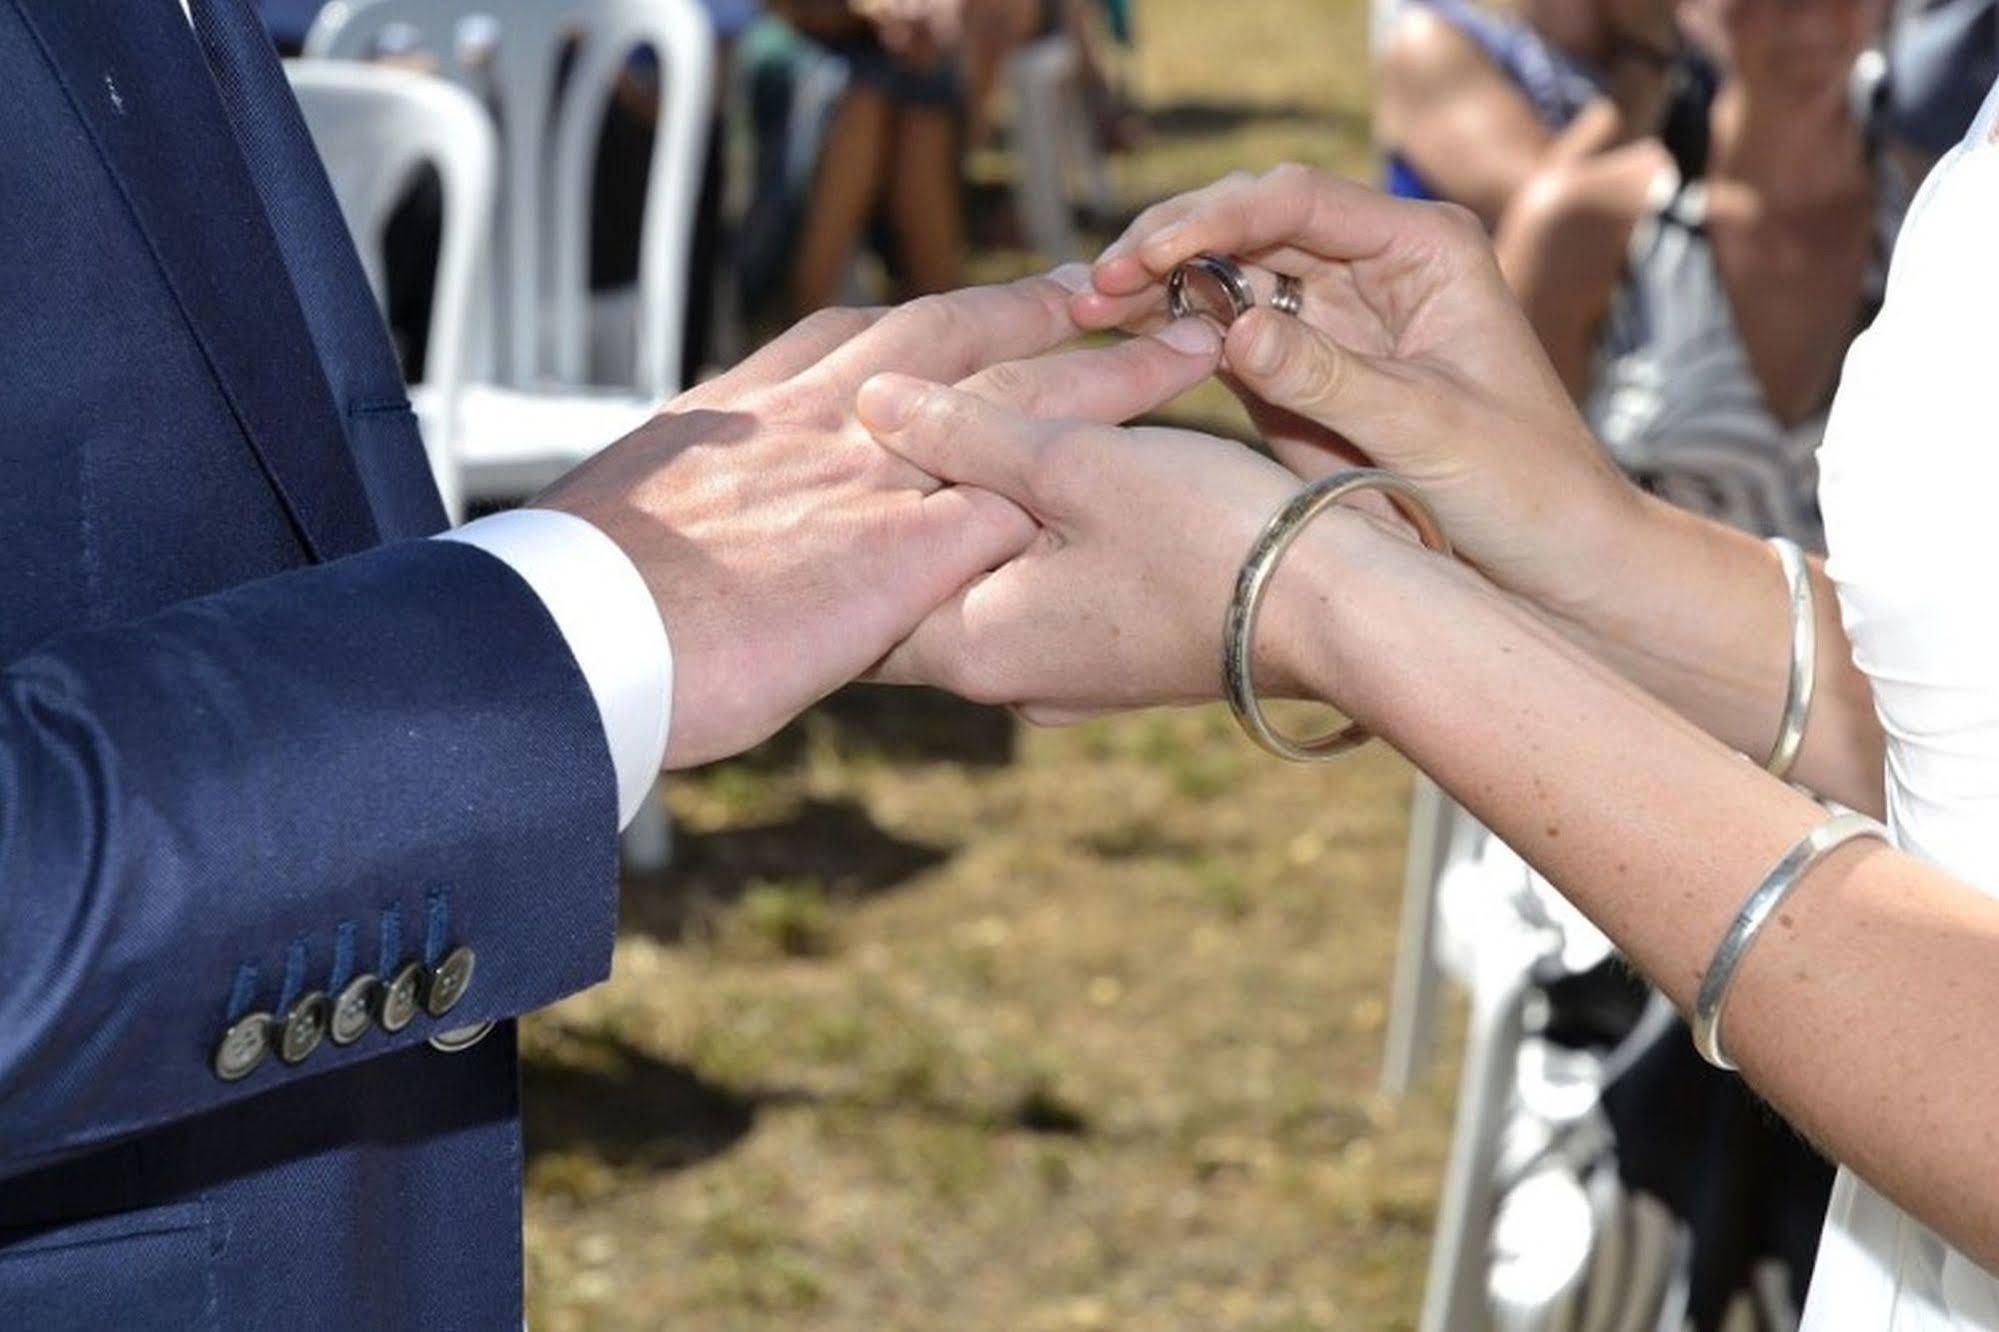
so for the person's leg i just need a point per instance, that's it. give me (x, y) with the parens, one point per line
(844, 193)
(994, 29)
(926, 204)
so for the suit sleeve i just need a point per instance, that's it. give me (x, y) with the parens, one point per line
(270, 792)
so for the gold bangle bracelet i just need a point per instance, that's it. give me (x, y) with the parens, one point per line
(1239, 627)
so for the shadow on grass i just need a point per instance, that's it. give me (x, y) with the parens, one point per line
(896, 725)
(626, 1108)
(1194, 118)
(597, 1095)
(823, 842)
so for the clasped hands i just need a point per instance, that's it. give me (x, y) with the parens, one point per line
(934, 494)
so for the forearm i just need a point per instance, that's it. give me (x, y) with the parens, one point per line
(276, 790)
(1863, 1012)
(1696, 613)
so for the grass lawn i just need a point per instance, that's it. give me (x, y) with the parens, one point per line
(944, 1022)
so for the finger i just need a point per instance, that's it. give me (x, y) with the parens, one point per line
(971, 532)
(956, 436)
(1158, 217)
(1291, 206)
(805, 344)
(1291, 365)
(967, 646)
(1307, 448)
(1108, 385)
(946, 338)
(1142, 311)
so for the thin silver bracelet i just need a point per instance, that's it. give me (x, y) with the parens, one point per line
(1804, 657)
(1797, 862)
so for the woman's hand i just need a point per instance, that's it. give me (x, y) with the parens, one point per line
(1118, 602)
(1409, 351)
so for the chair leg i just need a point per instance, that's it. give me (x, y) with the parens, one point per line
(1038, 74)
(647, 845)
(1412, 1008)
(1454, 1295)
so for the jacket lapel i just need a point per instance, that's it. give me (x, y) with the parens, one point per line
(138, 82)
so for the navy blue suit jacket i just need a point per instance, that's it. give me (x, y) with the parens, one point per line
(256, 735)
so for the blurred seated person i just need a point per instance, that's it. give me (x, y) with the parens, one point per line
(892, 146)
(1473, 102)
(1699, 312)
(996, 29)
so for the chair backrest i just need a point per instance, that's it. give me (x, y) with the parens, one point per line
(547, 70)
(376, 128)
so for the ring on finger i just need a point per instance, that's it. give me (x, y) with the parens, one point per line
(1289, 297)
(1222, 289)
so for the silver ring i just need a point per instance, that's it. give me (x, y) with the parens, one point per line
(1239, 628)
(1289, 297)
(1227, 274)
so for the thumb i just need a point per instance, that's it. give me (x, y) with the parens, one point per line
(1292, 365)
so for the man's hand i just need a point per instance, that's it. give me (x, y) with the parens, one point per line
(788, 552)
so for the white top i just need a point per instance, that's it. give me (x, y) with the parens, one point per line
(1908, 473)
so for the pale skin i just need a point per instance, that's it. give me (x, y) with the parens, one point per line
(787, 553)
(1469, 133)
(1583, 625)
(1790, 212)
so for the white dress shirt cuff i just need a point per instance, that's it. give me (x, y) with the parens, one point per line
(607, 615)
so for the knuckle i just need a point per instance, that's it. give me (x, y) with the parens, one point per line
(1009, 382)
(1055, 464)
(835, 323)
(938, 318)
(1312, 372)
(1288, 177)
(1459, 225)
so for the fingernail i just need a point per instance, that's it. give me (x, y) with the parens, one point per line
(1193, 336)
(1071, 277)
(1263, 348)
(886, 402)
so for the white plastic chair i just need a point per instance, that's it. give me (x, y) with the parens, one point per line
(375, 129)
(1060, 157)
(547, 69)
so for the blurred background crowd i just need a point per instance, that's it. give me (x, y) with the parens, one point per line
(922, 1020)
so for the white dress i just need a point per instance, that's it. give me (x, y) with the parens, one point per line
(1909, 480)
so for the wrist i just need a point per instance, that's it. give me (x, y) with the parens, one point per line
(1343, 592)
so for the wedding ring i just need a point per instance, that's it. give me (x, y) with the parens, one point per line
(1289, 297)
(1239, 628)
(1211, 285)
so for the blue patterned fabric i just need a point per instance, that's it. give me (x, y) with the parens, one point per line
(1556, 86)
(255, 735)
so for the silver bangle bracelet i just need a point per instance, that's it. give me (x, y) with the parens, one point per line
(1239, 627)
(1804, 657)
(1805, 853)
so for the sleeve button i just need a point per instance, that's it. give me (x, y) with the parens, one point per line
(397, 1006)
(353, 1010)
(450, 980)
(243, 1047)
(305, 1027)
